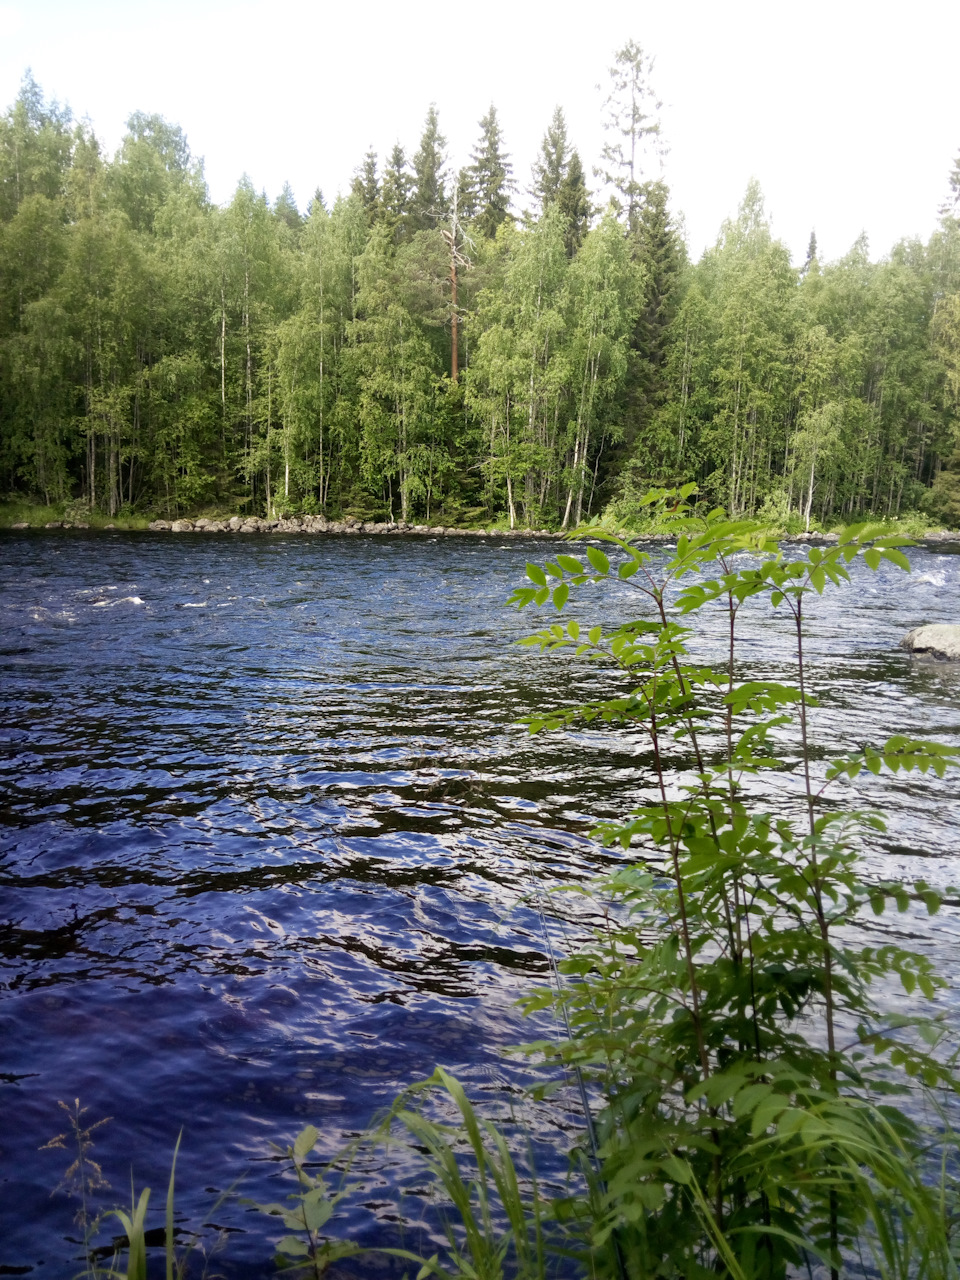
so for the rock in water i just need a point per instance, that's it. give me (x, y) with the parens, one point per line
(941, 640)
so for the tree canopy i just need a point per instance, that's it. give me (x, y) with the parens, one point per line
(161, 353)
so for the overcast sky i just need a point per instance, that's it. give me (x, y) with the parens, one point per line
(848, 113)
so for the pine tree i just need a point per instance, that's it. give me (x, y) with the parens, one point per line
(429, 201)
(631, 108)
(491, 177)
(573, 201)
(551, 166)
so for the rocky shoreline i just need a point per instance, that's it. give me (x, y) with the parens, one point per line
(319, 524)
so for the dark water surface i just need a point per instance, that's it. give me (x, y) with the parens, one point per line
(269, 835)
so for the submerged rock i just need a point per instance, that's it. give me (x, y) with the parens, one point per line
(940, 640)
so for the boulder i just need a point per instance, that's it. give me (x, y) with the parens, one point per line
(158, 525)
(940, 640)
(21, 524)
(235, 524)
(182, 526)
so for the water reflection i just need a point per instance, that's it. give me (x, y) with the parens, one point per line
(270, 840)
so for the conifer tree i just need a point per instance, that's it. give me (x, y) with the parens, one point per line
(468, 205)
(551, 166)
(573, 201)
(429, 200)
(285, 209)
(395, 192)
(633, 125)
(659, 251)
(366, 184)
(811, 258)
(951, 206)
(491, 177)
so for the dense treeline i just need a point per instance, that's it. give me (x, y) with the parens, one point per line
(422, 349)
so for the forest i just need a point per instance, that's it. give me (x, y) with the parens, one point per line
(459, 347)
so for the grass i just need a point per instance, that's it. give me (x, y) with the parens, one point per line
(18, 511)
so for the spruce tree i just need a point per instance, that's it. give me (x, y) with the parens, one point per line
(429, 201)
(491, 176)
(552, 164)
(659, 251)
(285, 209)
(395, 193)
(366, 184)
(951, 206)
(468, 204)
(573, 201)
(810, 263)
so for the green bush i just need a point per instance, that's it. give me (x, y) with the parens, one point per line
(749, 1123)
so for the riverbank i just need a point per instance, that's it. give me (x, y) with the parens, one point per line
(22, 517)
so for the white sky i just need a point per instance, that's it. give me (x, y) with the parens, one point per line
(847, 111)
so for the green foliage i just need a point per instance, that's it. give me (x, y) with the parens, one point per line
(161, 354)
(306, 1248)
(749, 1123)
(494, 1216)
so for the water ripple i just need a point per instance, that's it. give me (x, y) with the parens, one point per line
(270, 839)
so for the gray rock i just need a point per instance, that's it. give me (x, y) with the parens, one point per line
(235, 523)
(940, 640)
(21, 524)
(182, 526)
(158, 525)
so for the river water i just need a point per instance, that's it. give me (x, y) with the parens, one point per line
(270, 837)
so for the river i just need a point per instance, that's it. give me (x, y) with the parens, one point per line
(270, 837)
